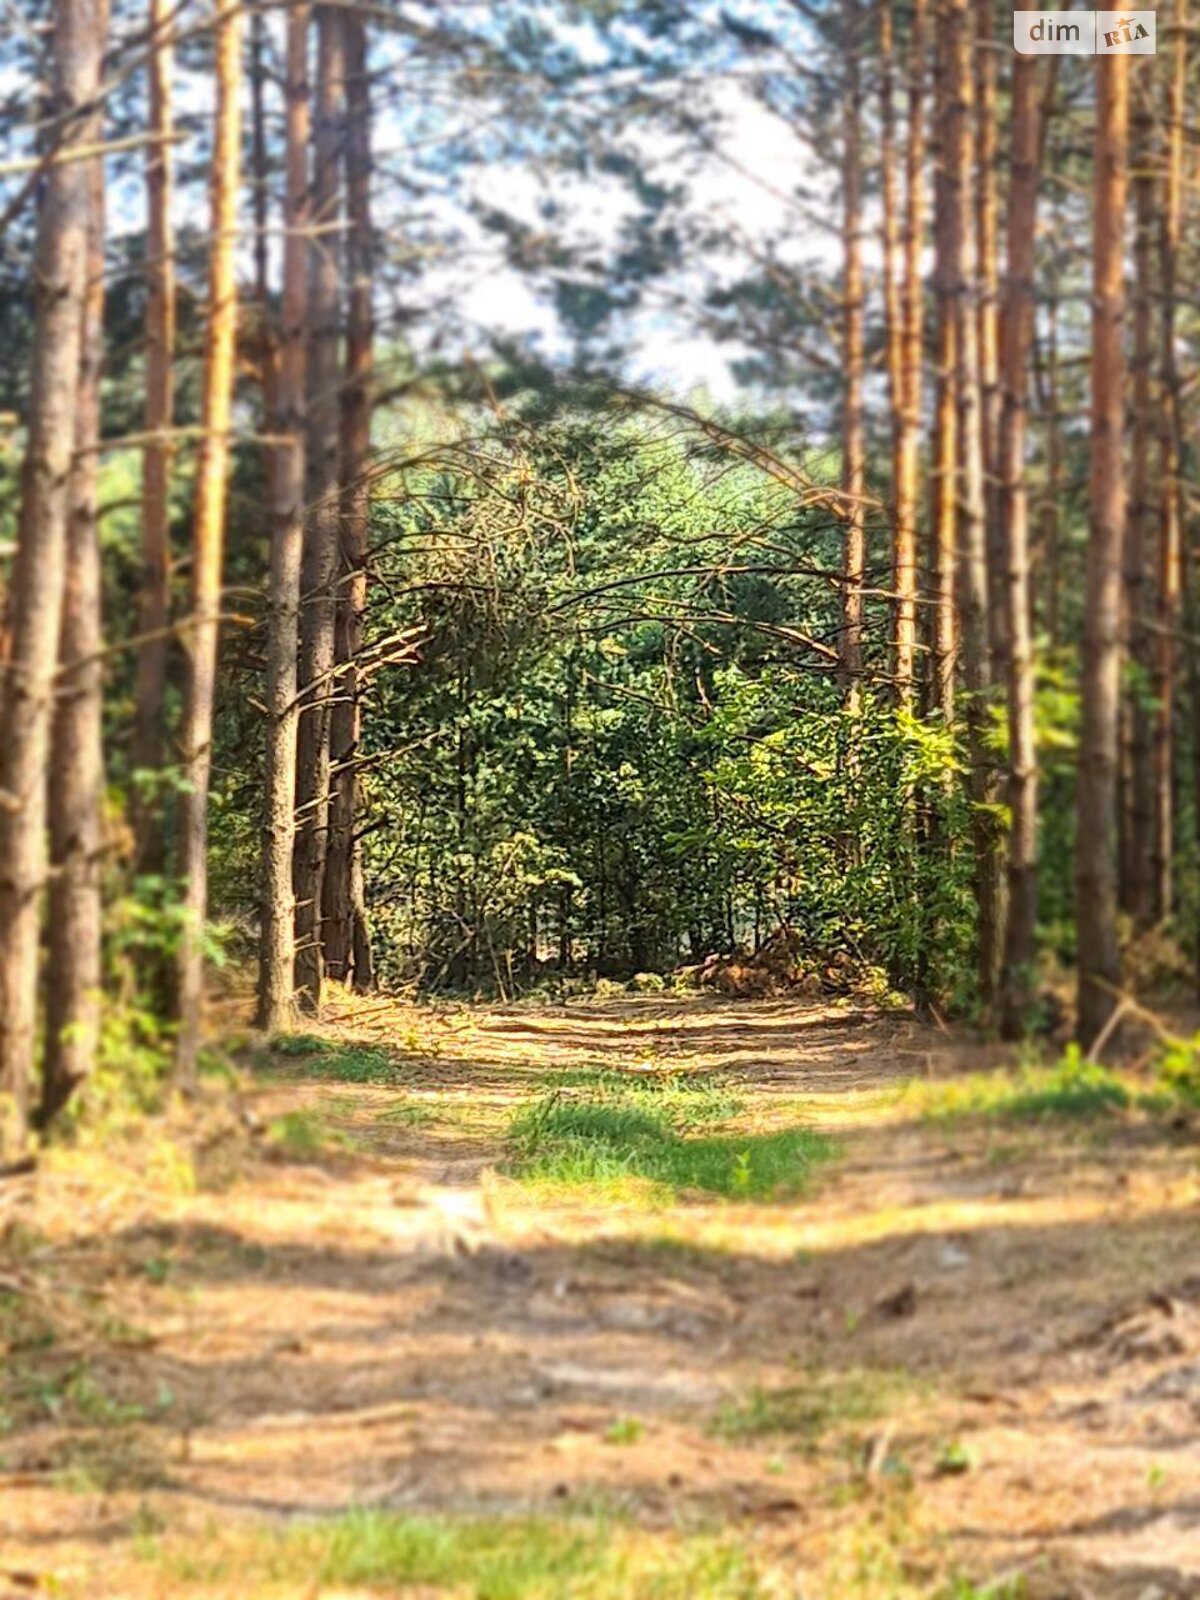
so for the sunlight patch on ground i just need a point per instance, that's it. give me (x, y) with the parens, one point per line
(338, 1297)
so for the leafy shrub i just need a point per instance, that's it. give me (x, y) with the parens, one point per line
(647, 983)
(1074, 1087)
(1178, 1069)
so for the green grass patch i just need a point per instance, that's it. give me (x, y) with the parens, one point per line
(624, 1430)
(656, 1140)
(301, 1044)
(494, 1559)
(304, 1133)
(688, 1099)
(1007, 1588)
(310, 1056)
(807, 1411)
(1072, 1087)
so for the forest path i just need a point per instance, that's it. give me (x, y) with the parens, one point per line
(970, 1346)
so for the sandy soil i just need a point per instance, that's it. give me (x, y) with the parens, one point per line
(981, 1342)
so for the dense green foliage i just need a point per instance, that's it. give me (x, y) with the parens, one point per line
(623, 745)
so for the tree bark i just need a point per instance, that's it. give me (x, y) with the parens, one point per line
(277, 952)
(154, 592)
(1017, 320)
(208, 539)
(1050, 521)
(893, 311)
(987, 122)
(38, 569)
(947, 233)
(259, 170)
(1171, 482)
(972, 530)
(853, 447)
(940, 614)
(1096, 839)
(320, 564)
(265, 332)
(907, 467)
(347, 936)
(76, 795)
(1137, 810)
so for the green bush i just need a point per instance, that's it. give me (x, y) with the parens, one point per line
(1178, 1069)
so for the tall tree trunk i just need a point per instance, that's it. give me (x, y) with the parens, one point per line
(853, 448)
(907, 467)
(278, 941)
(972, 532)
(320, 565)
(947, 234)
(940, 615)
(154, 591)
(76, 794)
(208, 539)
(1136, 884)
(893, 312)
(36, 583)
(347, 936)
(260, 188)
(1020, 949)
(1096, 840)
(1050, 521)
(1171, 503)
(260, 181)
(988, 317)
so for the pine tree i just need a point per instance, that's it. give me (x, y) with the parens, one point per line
(319, 574)
(906, 474)
(64, 240)
(278, 943)
(154, 591)
(1096, 847)
(347, 936)
(1017, 321)
(853, 440)
(76, 795)
(208, 536)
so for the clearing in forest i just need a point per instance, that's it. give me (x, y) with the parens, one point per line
(645, 1297)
